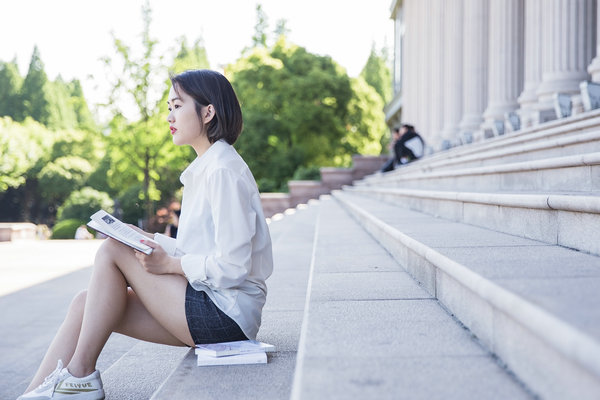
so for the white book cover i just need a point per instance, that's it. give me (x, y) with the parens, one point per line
(204, 360)
(232, 348)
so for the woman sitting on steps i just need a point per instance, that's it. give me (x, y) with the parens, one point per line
(205, 286)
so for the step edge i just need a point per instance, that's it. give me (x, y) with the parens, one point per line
(545, 201)
(571, 342)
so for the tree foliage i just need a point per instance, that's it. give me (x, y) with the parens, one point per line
(141, 151)
(84, 202)
(377, 74)
(10, 87)
(34, 92)
(23, 147)
(259, 39)
(301, 110)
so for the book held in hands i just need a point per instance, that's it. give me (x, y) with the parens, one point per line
(105, 223)
(233, 353)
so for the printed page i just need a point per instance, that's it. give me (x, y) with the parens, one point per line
(111, 226)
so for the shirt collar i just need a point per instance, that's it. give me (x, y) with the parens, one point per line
(199, 164)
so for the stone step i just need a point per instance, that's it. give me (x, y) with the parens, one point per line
(371, 332)
(572, 136)
(570, 220)
(293, 238)
(138, 373)
(577, 173)
(535, 306)
(30, 318)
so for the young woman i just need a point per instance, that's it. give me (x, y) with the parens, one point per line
(205, 286)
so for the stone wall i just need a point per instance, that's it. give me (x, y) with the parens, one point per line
(331, 179)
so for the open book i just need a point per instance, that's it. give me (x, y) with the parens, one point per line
(105, 223)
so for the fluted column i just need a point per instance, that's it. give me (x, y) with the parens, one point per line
(594, 68)
(408, 67)
(533, 61)
(567, 46)
(453, 74)
(422, 61)
(436, 60)
(505, 79)
(475, 64)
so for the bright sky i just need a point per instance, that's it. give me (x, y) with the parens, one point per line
(73, 34)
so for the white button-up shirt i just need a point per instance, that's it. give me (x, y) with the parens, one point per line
(222, 238)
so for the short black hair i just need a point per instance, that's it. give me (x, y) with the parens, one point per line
(210, 87)
(408, 127)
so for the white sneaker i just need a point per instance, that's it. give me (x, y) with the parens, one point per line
(60, 384)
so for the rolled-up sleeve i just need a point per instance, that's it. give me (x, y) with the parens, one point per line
(234, 222)
(168, 244)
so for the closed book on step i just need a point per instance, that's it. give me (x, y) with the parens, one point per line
(232, 348)
(238, 359)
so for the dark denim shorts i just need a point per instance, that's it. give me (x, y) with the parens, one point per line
(207, 323)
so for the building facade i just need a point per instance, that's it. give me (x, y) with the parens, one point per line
(465, 70)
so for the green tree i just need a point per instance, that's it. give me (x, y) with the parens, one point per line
(141, 151)
(21, 146)
(10, 86)
(281, 28)
(34, 92)
(77, 101)
(376, 73)
(61, 112)
(366, 121)
(62, 176)
(84, 202)
(174, 159)
(135, 146)
(259, 39)
(194, 57)
(295, 108)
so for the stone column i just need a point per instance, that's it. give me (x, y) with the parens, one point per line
(594, 68)
(568, 42)
(475, 65)
(453, 73)
(408, 69)
(505, 79)
(421, 59)
(533, 61)
(436, 60)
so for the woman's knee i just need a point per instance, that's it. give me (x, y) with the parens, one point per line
(112, 251)
(78, 305)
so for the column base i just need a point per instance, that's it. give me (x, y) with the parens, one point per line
(594, 69)
(543, 116)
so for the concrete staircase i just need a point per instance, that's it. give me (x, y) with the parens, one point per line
(472, 274)
(505, 234)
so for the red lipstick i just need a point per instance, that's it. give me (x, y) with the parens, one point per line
(173, 130)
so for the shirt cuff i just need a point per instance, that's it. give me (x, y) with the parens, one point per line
(194, 268)
(169, 244)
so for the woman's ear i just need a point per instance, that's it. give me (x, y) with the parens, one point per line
(209, 114)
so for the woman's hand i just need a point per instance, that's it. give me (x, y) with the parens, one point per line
(158, 262)
(135, 228)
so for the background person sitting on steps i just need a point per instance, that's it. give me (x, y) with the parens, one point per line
(408, 146)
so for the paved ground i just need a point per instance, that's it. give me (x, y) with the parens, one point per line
(38, 279)
(29, 262)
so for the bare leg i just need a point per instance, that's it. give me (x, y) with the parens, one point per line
(63, 344)
(154, 311)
